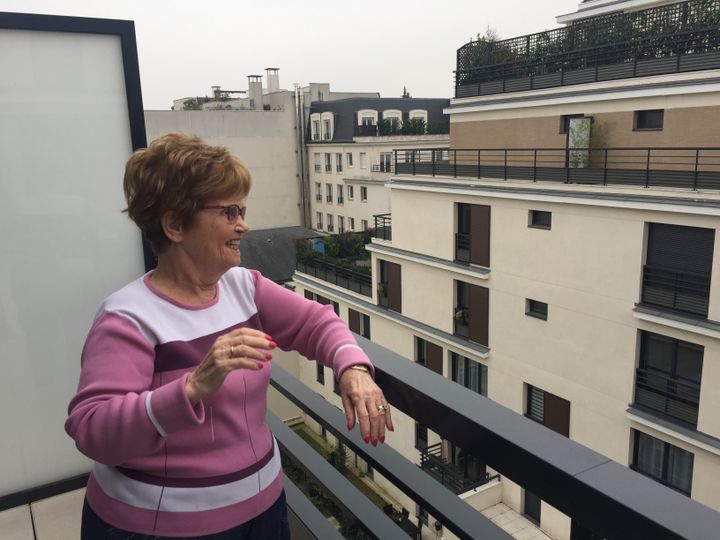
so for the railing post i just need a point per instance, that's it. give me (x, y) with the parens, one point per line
(605, 168)
(535, 165)
(479, 175)
(695, 175)
(647, 169)
(395, 152)
(505, 168)
(413, 161)
(455, 163)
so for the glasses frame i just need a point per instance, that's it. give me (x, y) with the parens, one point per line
(229, 210)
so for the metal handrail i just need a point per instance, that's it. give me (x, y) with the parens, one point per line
(684, 291)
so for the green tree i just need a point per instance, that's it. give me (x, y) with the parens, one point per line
(405, 93)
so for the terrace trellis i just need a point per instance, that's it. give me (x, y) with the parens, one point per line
(667, 32)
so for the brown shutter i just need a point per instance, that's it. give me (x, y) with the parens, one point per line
(478, 314)
(309, 295)
(354, 320)
(557, 414)
(322, 300)
(434, 357)
(394, 287)
(480, 234)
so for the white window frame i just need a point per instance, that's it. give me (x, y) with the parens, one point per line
(370, 114)
(328, 125)
(351, 223)
(363, 193)
(330, 223)
(349, 159)
(318, 220)
(351, 193)
(338, 162)
(315, 132)
(363, 160)
(418, 113)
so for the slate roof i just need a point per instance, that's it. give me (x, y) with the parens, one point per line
(272, 251)
(346, 109)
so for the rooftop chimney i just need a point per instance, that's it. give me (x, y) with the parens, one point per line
(273, 80)
(216, 92)
(255, 92)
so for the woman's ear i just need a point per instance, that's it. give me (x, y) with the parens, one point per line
(172, 226)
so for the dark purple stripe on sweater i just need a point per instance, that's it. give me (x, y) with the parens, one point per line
(188, 354)
(198, 482)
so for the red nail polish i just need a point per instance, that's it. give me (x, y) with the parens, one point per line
(268, 337)
(259, 365)
(268, 356)
(349, 425)
(382, 439)
(366, 438)
(272, 345)
(391, 428)
(375, 441)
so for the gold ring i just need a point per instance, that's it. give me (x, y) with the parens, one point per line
(382, 408)
(232, 351)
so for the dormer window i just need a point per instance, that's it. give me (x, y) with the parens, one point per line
(419, 113)
(367, 117)
(328, 127)
(315, 132)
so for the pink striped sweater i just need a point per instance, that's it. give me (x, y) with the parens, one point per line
(162, 466)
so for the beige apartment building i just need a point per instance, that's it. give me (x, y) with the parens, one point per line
(351, 151)
(562, 257)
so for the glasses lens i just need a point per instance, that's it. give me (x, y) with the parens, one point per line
(233, 211)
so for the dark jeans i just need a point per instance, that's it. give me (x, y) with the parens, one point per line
(270, 525)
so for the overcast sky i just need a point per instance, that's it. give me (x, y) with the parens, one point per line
(185, 47)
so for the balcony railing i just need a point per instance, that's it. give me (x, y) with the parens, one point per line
(337, 275)
(383, 226)
(687, 292)
(669, 39)
(681, 167)
(462, 247)
(448, 474)
(673, 397)
(603, 496)
(366, 131)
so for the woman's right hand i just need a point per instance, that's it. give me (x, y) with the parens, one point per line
(244, 348)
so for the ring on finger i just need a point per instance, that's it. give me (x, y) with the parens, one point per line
(382, 408)
(232, 351)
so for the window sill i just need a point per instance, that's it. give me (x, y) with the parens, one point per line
(536, 315)
(647, 129)
(542, 227)
(673, 319)
(687, 435)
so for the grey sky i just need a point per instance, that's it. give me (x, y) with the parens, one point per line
(373, 45)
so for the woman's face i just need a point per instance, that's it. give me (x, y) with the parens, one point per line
(212, 240)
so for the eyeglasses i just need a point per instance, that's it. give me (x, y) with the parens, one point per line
(232, 211)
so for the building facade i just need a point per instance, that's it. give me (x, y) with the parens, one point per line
(561, 257)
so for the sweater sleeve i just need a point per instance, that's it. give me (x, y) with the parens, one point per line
(115, 416)
(314, 330)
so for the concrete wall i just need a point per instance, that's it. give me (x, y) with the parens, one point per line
(266, 143)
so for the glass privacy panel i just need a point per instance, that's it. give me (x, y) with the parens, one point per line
(65, 245)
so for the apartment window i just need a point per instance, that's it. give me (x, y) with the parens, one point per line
(351, 223)
(421, 436)
(327, 130)
(351, 192)
(678, 267)
(330, 223)
(340, 199)
(663, 462)
(318, 220)
(316, 130)
(390, 286)
(386, 162)
(469, 373)
(318, 191)
(348, 157)
(565, 121)
(539, 219)
(429, 355)
(328, 193)
(320, 373)
(651, 120)
(338, 162)
(359, 323)
(367, 121)
(537, 309)
(363, 224)
(328, 162)
(363, 194)
(470, 317)
(548, 409)
(326, 301)
(341, 224)
(363, 160)
(318, 162)
(336, 387)
(472, 239)
(668, 377)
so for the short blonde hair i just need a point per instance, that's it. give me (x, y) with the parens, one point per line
(179, 173)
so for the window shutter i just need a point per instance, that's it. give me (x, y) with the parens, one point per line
(434, 357)
(480, 234)
(681, 248)
(354, 320)
(309, 295)
(478, 316)
(394, 287)
(557, 414)
(536, 404)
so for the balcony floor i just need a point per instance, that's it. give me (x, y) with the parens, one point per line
(55, 518)
(513, 523)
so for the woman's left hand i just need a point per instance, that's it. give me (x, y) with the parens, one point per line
(365, 403)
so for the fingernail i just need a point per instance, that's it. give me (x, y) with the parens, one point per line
(382, 439)
(268, 337)
(272, 345)
(268, 356)
(259, 365)
(391, 428)
(366, 438)
(350, 425)
(375, 441)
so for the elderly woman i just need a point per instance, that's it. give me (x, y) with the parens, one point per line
(175, 369)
